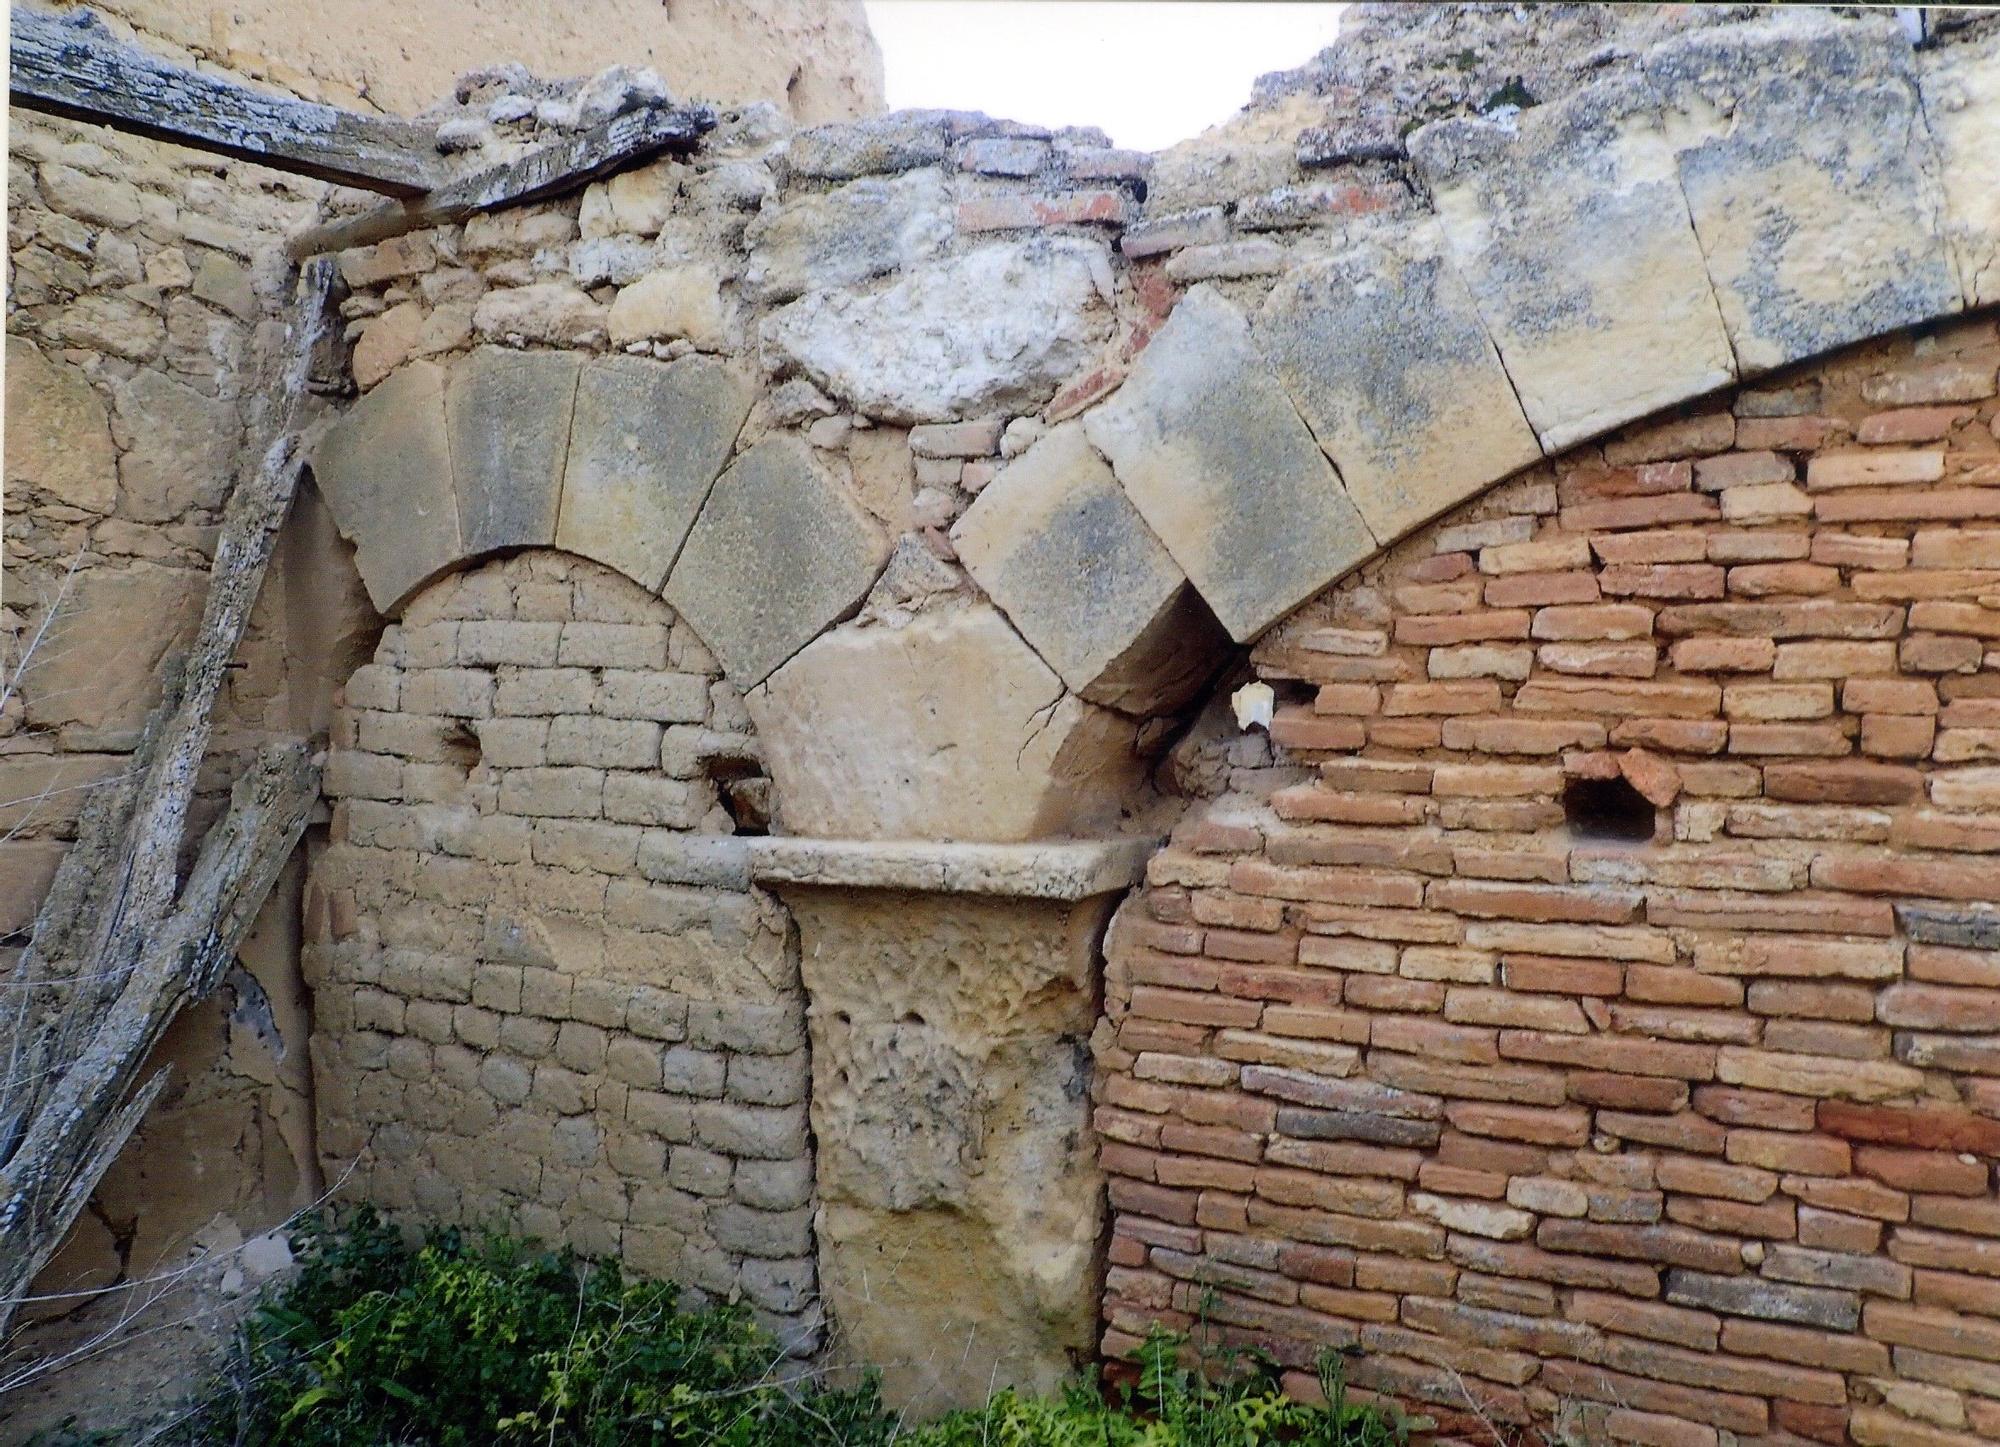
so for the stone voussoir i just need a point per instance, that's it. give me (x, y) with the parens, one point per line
(1816, 233)
(1056, 543)
(1570, 226)
(779, 553)
(1210, 450)
(508, 416)
(1388, 362)
(647, 441)
(385, 471)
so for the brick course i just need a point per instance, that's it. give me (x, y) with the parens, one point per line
(1671, 1138)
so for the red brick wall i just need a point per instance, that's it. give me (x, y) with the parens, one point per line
(1659, 1141)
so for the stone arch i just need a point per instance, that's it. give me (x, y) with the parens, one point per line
(1701, 216)
(1288, 420)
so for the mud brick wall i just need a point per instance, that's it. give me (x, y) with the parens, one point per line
(546, 996)
(1657, 1140)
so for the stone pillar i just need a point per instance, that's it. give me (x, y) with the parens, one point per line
(952, 990)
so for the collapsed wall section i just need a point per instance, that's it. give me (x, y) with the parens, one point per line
(1583, 1004)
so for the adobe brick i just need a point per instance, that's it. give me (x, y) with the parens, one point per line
(1805, 1347)
(1908, 1170)
(1922, 1127)
(1346, 1158)
(1865, 1273)
(1854, 1196)
(1597, 622)
(1850, 781)
(1668, 1245)
(1627, 1092)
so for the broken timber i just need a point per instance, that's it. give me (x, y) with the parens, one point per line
(71, 66)
(547, 171)
(123, 940)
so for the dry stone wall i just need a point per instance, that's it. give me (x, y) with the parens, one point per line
(1584, 1002)
(545, 993)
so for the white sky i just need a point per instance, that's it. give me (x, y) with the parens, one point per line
(1150, 72)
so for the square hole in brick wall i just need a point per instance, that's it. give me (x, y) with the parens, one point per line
(1608, 811)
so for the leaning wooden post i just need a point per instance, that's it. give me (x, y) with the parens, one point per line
(121, 943)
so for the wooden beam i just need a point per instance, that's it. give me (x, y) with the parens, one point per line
(70, 65)
(549, 170)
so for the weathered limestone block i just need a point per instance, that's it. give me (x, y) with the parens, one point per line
(103, 672)
(1384, 353)
(180, 447)
(960, 1198)
(507, 418)
(1570, 227)
(385, 471)
(1218, 463)
(646, 443)
(1060, 548)
(1817, 233)
(994, 330)
(779, 552)
(1960, 85)
(58, 438)
(682, 300)
(947, 727)
(899, 141)
(857, 232)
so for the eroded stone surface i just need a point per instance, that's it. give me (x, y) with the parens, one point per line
(993, 330)
(1570, 227)
(1218, 463)
(961, 1202)
(1056, 543)
(508, 420)
(1960, 85)
(779, 552)
(647, 441)
(58, 438)
(849, 235)
(946, 727)
(1820, 233)
(1382, 350)
(385, 470)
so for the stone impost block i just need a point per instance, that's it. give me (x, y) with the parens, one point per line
(646, 445)
(1820, 231)
(994, 330)
(1211, 452)
(1049, 870)
(1383, 351)
(507, 414)
(1960, 85)
(779, 552)
(1056, 543)
(948, 727)
(1569, 224)
(848, 235)
(385, 471)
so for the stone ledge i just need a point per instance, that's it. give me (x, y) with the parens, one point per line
(1061, 869)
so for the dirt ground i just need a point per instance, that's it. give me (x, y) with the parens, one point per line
(131, 1360)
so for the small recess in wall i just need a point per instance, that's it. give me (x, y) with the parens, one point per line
(1608, 810)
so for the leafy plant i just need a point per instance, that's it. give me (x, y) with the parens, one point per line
(490, 1340)
(1224, 1397)
(470, 1341)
